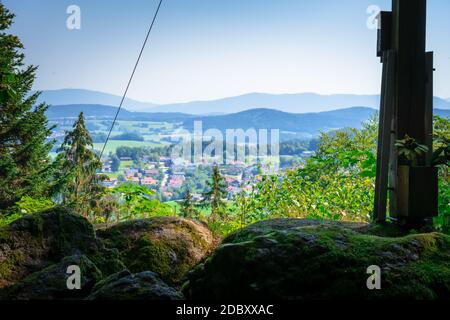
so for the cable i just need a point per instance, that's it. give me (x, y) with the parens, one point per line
(131, 78)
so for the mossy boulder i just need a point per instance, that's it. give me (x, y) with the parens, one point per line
(168, 246)
(39, 240)
(51, 282)
(141, 286)
(310, 259)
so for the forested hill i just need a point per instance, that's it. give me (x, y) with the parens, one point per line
(108, 112)
(273, 119)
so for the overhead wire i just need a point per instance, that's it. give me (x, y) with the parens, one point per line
(132, 76)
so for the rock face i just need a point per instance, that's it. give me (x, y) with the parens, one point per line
(308, 259)
(141, 286)
(36, 251)
(37, 241)
(51, 283)
(168, 246)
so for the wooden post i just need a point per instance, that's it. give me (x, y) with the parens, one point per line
(406, 109)
(384, 135)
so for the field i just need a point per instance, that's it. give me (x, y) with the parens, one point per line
(151, 132)
(112, 145)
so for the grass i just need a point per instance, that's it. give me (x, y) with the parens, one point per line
(125, 164)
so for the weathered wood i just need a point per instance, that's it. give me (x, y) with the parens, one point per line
(384, 33)
(408, 40)
(412, 192)
(384, 135)
(429, 67)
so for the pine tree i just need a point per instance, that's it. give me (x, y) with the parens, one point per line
(79, 183)
(187, 207)
(216, 195)
(24, 131)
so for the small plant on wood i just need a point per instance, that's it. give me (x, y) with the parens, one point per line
(411, 150)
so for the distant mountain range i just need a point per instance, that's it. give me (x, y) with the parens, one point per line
(292, 103)
(81, 96)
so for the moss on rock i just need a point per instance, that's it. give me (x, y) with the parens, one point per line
(51, 282)
(36, 241)
(169, 246)
(311, 259)
(141, 286)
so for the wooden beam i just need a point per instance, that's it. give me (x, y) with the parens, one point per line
(384, 135)
(429, 67)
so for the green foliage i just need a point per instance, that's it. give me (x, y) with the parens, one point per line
(188, 208)
(441, 154)
(337, 183)
(441, 145)
(128, 136)
(29, 205)
(216, 194)
(26, 205)
(115, 162)
(24, 162)
(126, 202)
(77, 182)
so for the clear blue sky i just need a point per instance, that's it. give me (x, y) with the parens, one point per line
(205, 49)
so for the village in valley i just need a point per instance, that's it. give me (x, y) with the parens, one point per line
(170, 179)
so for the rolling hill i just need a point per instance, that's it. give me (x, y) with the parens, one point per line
(307, 123)
(109, 112)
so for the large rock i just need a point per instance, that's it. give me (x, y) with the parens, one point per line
(51, 282)
(168, 246)
(308, 259)
(37, 241)
(141, 286)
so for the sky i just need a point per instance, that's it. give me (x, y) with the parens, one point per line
(209, 49)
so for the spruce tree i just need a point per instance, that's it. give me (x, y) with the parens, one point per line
(78, 182)
(216, 194)
(187, 207)
(24, 131)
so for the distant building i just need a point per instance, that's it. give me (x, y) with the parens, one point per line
(149, 181)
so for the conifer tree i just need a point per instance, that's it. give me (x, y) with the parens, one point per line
(79, 183)
(216, 194)
(24, 131)
(187, 206)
